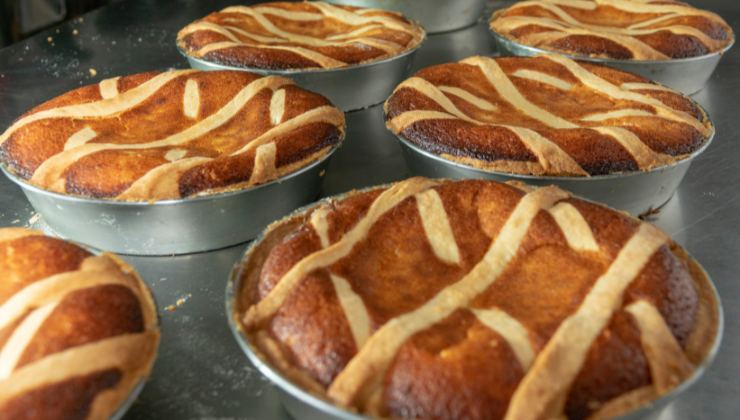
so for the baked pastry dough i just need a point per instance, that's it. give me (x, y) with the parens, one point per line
(474, 299)
(157, 136)
(546, 115)
(78, 332)
(618, 29)
(284, 35)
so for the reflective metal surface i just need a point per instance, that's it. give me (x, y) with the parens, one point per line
(351, 88)
(435, 15)
(200, 371)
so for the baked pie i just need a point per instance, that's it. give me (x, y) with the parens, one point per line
(617, 29)
(299, 36)
(475, 299)
(169, 135)
(546, 115)
(78, 332)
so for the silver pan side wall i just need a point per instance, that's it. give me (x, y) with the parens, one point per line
(303, 405)
(350, 89)
(687, 75)
(178, 226)
(435, 16)
(636, 192)
(129, 401)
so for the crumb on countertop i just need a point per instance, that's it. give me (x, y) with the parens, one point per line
(35, 218)
(93, 72)
(75, 32)
(181, 301)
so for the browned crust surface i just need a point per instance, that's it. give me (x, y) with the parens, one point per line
(546, 115)
(618, 29)
(459, 366)
(158, 136)
(282, 35)
(77, 332)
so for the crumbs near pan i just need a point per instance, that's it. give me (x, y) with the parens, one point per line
(180, 301)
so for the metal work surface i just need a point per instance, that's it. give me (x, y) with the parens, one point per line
(200, 371)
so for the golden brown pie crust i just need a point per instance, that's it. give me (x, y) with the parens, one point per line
(474, 299)
(77, 332)
(617, 29)
(169, 135)
(282, 35)
(546, 115)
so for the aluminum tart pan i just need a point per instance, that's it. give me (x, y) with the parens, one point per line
(303, 405)
(169, 227)
(435, 16)
(349, 88)
(687, 75)
(638, 192)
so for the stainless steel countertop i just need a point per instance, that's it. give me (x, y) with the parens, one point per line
(200, 371)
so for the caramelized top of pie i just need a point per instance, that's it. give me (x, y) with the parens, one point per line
(619, 29)
(546, 115)
(157, 136)
(284, 35)
(474, 299)
(77, 331)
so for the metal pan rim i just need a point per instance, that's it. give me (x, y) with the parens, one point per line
(554, 178)
(601, 60)
(233, 286)
(161, 203)
(307, 72)
(131, 398)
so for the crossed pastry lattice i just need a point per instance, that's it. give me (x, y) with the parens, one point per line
(162, 181)
(551, 158)
(363, 25)
(538, 395)
(563, 24)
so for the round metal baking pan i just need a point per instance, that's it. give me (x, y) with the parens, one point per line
(687, 75)
(435, 16)
(303, 405)
(349, 88)
(171, 227)
(635, 192)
